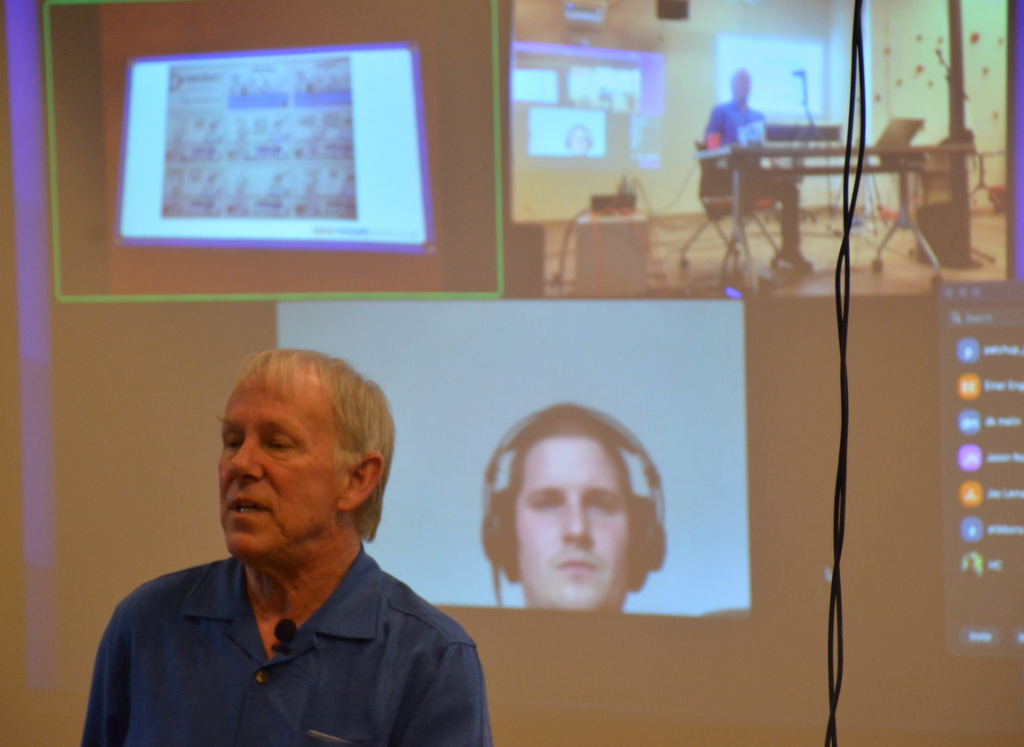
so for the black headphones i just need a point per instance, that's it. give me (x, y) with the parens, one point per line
(646, 513)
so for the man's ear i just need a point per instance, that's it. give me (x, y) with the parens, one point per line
(362, 478)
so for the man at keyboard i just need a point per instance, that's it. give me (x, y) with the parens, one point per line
(735, 122)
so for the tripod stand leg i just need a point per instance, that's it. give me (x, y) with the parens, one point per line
(739, 233)
(689, 242)
(876, 263)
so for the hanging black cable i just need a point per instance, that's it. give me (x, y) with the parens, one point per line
(857, 111)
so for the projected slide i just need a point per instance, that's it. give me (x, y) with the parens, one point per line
(587, 107)
(788, 74)
(315, 148)
(587, 455)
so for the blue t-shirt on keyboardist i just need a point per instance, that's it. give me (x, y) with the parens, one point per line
(736, 124)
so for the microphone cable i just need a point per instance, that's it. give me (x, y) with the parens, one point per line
(858, 109)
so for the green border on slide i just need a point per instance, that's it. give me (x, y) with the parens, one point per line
(203, 297)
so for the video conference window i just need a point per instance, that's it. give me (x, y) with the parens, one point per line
(593, 458)
(982, 410)
(572, 103)
(298, 149)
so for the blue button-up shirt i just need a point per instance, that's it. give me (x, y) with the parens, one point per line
(182, 663)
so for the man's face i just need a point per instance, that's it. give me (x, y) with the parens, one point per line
(572, 527)
(579, 141)
(279, 485)
(741, 87)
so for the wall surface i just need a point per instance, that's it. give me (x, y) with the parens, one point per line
(909, 77)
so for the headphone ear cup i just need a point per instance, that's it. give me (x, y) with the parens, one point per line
(499, 535)
(646, 541)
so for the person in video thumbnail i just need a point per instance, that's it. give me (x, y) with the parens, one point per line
(735, 122)
(578, 141)
(568, 525)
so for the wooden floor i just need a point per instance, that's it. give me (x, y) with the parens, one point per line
(901, 273)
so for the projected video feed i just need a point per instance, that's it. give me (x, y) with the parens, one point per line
(566, 133)
(944, 192)
(551, 455)
(587, 107)
(315, 148)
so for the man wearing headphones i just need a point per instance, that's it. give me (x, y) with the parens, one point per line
(568, 525)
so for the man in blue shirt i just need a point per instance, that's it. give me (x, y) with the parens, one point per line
(211, 655)
(736, 122)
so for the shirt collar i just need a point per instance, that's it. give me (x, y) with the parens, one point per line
(219, 593)
(352, 608)
(349, 612)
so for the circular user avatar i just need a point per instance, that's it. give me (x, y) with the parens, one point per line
(970, 422)
(969, 386)
(971, 494)
(971, 529)
(972, 562)
(968, 350)
(970, 457)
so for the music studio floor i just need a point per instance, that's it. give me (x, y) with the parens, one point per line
(902, 272)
